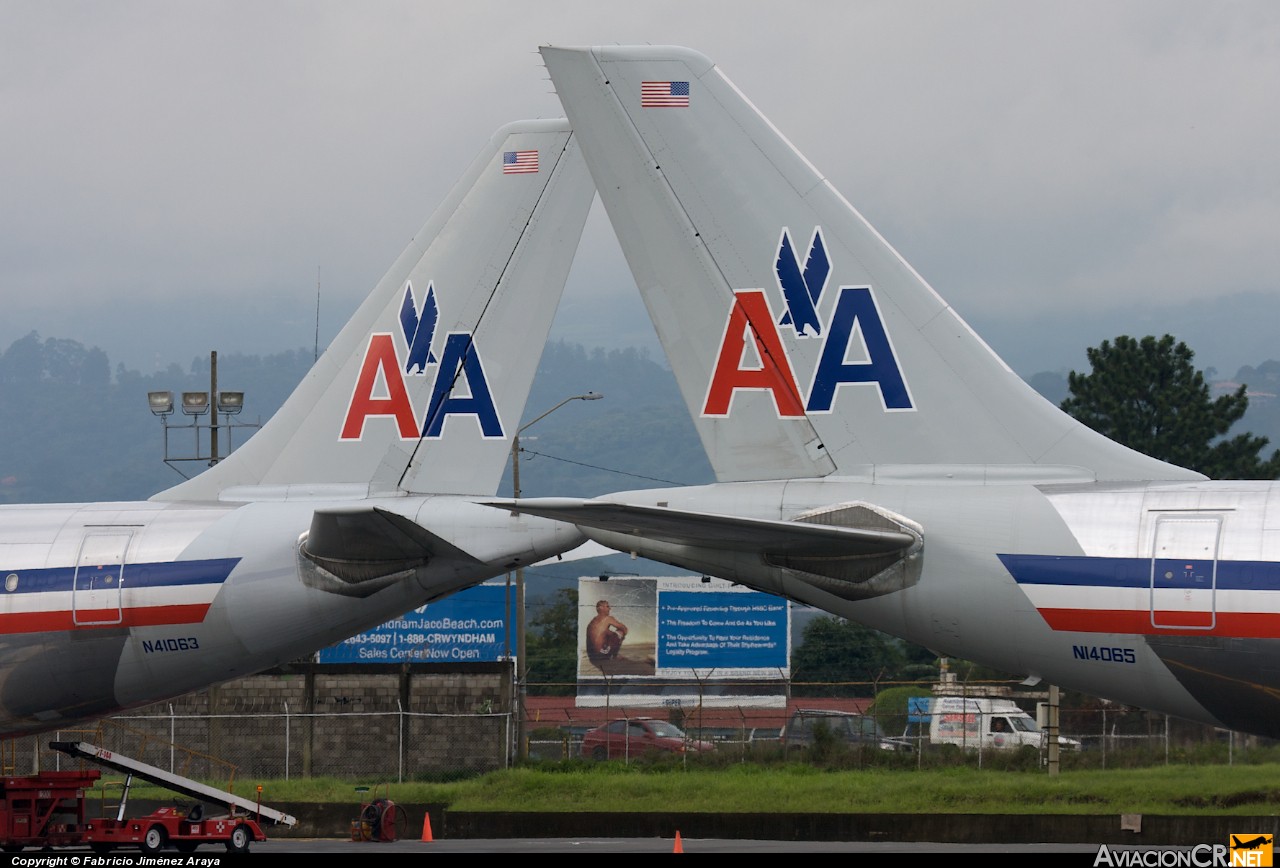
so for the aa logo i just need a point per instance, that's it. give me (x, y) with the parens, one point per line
(801, 289)
(459, 386)
(1251, 850)
(854, 346)
(419, 329)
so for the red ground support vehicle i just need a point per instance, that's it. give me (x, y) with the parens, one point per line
(47, 810)
(171, 827)
(44, 810)
(185, 830)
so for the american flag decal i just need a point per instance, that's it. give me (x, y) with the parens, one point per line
(664, 94)
(519, 162)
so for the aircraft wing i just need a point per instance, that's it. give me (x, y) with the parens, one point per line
(717, 531)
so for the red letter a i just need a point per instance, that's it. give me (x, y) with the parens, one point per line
(381, 356)
(751, 315)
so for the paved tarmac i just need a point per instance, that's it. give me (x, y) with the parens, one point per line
(648, 845)
(291, 850)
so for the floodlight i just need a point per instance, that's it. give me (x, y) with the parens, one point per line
(195, 403)
(230, 403)
(161, 403)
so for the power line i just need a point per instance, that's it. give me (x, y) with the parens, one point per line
(605, 469)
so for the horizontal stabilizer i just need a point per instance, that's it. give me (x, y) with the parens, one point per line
(710, 530)
(853, 550)
(367, 548)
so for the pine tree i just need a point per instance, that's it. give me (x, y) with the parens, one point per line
(1149, 396)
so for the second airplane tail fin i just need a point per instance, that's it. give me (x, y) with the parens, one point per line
(802, 342)
(422, 390)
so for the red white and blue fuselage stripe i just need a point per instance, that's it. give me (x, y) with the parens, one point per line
(149, 594)
(1172, 597)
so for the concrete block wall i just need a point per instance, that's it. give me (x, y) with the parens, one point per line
(374, 722)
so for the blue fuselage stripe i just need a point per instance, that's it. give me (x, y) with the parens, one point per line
(149, 575)
(1136, 572)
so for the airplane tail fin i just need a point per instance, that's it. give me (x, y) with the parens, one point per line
(422, 390)
(803, 343)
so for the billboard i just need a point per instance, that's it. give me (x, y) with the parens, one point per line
(680, 640)
(466, 627)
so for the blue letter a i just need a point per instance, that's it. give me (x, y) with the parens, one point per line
(857, 307)
(460, 359)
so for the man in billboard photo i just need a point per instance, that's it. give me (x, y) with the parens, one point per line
(604, 635)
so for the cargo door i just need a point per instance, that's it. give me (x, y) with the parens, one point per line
(1184, 572)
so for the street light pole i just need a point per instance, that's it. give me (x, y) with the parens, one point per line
(522, 663)
(213, 397)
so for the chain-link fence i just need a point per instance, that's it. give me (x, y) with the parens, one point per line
(874, 730)
(250, 734)
(379, 746)
(1130, 739)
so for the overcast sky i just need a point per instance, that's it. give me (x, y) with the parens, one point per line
(174, 174)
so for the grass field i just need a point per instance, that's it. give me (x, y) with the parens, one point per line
(1173, 789)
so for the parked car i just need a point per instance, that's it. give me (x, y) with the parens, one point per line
(633, 737)
(765, 734)
(845, 726)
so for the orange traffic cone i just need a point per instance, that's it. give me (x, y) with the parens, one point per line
(426, 828)
(679, 846)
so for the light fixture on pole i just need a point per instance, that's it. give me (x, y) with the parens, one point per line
(521, 662)
(230, 403)
(213, 404)
(195, 403)
(161, 403)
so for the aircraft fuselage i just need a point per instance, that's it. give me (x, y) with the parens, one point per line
(1164, 595)
(114, 605)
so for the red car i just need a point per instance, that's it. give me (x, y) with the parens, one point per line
(627, 739)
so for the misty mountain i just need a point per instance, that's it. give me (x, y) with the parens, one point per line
(73, 430)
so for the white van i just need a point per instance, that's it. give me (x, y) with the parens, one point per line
(986, 723)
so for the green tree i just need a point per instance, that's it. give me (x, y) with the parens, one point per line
(552, 645)
(1147, 395)
(890, 707)
(836, 657)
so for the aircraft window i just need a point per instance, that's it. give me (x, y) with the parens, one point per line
(11, 582)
